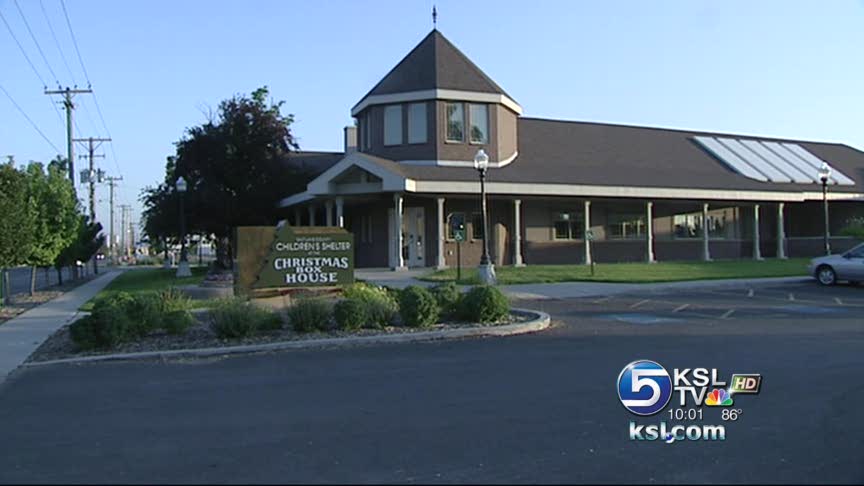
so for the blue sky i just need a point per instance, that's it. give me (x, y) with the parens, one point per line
(782, 68)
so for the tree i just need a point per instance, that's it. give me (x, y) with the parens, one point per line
(17, 220)
(235, 169)
(56, 214)
(87, 242)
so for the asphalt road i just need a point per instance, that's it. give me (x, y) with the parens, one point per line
(538, 408)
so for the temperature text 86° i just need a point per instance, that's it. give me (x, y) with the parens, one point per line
(731, 414)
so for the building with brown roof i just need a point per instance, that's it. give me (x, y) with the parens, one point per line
(642, 193)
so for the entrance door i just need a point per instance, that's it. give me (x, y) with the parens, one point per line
(413, 237)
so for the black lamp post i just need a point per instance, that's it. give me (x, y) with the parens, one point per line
(824, 174)
(487, 269)
(182, 268)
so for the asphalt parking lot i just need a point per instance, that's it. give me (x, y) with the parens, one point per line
(523, 409)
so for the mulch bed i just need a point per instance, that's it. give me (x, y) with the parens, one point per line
(60, 345)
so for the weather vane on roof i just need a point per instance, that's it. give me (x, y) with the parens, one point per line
(434, 17)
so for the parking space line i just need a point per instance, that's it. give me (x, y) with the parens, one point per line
(637, 304)
(792, 297)
(727, 314)
(681, 307)
(601, 300)
(837, 299)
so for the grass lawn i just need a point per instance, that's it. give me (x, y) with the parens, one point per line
(147, 280)
(633, 272)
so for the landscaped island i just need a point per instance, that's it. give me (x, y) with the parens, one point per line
(634, 272)
(162, 320)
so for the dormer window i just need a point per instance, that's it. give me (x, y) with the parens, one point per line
(455, 122)
(393, 125)
(479, 116)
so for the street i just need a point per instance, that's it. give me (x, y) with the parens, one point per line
(526, 409)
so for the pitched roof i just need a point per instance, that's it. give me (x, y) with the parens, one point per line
(313, 163)
(586, 153)
(435, 63)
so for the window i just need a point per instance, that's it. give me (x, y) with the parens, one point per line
(690, 225)
(367, 130)
(568, 226)
(417, 123)
(625, 226)
(479, 123)
(455, 122)
(393, 125)
(477, 226)
(454, 221)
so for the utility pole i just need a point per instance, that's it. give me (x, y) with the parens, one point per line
(124, 208)
(112, 182)
(92, 145)
(68, 93)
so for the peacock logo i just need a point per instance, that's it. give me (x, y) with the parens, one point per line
(719, 398)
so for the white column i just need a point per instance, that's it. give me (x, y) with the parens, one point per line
(649, 230)
(340, 212)
(586, 219)
(781, 232)
(311, 215)
(442, 263)
(706, 250)
(328, 207)
(517, 232)
(757, 252)
(298, 218)
(397, 227)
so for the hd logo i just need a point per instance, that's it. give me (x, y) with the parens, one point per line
(645, 387)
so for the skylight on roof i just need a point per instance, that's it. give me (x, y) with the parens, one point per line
(777, 162)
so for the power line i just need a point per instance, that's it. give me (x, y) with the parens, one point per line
(38, 47)
(44, 84)
(57, 43)
(75, 42)
(29, 119)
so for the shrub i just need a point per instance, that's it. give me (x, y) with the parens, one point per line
(418, 307)
(229, 319)
(381, 304)
(484, 303)
(177, 322)
(236, 317)
(144, 312)
(173, 299)
(108, 326)
(350, 314)
(448, 296)
(310, 314)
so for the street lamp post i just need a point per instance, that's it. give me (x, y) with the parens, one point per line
(487, 269)
(183, 267)
(824, 174)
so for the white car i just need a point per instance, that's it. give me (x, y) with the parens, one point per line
(830, 269)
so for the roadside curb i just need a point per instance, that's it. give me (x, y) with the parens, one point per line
(539, 323)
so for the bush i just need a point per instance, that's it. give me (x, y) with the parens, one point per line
(484, 303)
(418, 307)
(177, 322)
(381, 304)
(350, 314)
(236, 318)
(448, 296)
(310, 314)
(108, 326)
(145, 313)
(173, 299)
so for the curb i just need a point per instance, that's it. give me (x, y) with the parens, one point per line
(539, 323)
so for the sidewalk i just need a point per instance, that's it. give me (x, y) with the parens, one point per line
(20, 336)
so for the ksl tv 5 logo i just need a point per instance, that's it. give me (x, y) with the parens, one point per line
(645, 387)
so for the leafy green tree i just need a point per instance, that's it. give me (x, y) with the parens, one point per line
(17, 220)
(56, 214)
(235, 168)
(87, 242)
